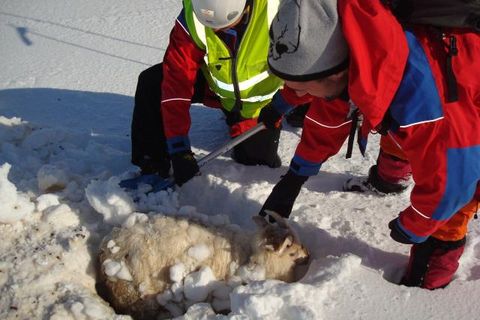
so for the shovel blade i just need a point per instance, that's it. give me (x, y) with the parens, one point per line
(158, 183)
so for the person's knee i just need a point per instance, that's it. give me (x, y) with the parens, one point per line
(260, 149)
(153, 74)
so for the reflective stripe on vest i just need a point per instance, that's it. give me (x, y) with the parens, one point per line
(257, 86)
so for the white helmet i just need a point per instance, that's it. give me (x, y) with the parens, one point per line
(218, 14)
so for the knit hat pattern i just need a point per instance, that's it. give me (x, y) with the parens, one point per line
(306, 40)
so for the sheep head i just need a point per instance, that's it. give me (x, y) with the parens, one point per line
(278, 248)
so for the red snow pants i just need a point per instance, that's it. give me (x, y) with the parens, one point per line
(433, 263)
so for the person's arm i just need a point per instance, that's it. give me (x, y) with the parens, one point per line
(284, 101)
(325, 129)
(181, 64)
(378, 52)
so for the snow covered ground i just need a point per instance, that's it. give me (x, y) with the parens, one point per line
(68, 75)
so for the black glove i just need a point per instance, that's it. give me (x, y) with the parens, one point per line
(283, 195)
(270, 116)
(397, 234)
(184, 166)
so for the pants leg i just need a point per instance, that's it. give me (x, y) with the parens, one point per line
(392, 168)
(392, 163)
(259, 149)
(149, 147)
(456, 228)
(433, 263)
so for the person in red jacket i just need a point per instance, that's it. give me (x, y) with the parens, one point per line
(161, 119)
(353, 58)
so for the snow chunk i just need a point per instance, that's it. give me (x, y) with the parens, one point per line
(50, 178)
(177, 272)
(108, 199)
(46, 201)
(117, 269)
(134, 218)
(199, 284)
(14, 206)
(199, 252)
(200, 311)
(111, 268)
(61, 216)
(124, 273)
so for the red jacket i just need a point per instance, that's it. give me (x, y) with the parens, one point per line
(181, 63)
(404, 73)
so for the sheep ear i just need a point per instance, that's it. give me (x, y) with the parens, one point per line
(287, 242)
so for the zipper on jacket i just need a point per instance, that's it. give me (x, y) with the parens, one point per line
(452, 91)
(237, 107)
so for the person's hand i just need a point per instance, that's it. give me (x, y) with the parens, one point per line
(283, 195)
(270, 116)
(397, 234)
(184, 166)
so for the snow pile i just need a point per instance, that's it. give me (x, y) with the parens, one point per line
(14, 205)
(108, 199)
(68, 78)
(186, 259)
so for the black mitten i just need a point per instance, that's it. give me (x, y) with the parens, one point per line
(283, 195)
(397, 234)
(184, 166)
(270, 116)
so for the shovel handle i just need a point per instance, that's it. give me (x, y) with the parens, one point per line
(232, 143)
(159, 184)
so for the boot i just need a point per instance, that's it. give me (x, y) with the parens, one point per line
(433, 263)
(381, 185)
(373, 183)
(259, 149)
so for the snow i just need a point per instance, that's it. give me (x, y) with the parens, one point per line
(69, 72)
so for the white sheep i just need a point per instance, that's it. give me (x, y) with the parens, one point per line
(145, 269)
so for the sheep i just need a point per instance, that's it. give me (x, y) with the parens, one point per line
(142, 268)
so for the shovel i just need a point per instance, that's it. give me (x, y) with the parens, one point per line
(158, 183)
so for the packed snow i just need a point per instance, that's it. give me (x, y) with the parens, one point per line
(69, 71)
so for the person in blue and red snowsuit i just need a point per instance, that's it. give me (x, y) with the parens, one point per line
(353, 57)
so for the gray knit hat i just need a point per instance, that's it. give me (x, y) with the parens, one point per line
(306, 40)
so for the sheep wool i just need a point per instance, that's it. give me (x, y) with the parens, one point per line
(158, 267)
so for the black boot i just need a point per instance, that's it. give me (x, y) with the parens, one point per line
(373, 183)
(381, 185)
(259, 149)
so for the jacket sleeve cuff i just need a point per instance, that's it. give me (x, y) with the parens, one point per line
(178, 144)
(280, 104)
(303, 167)
(410, 235)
